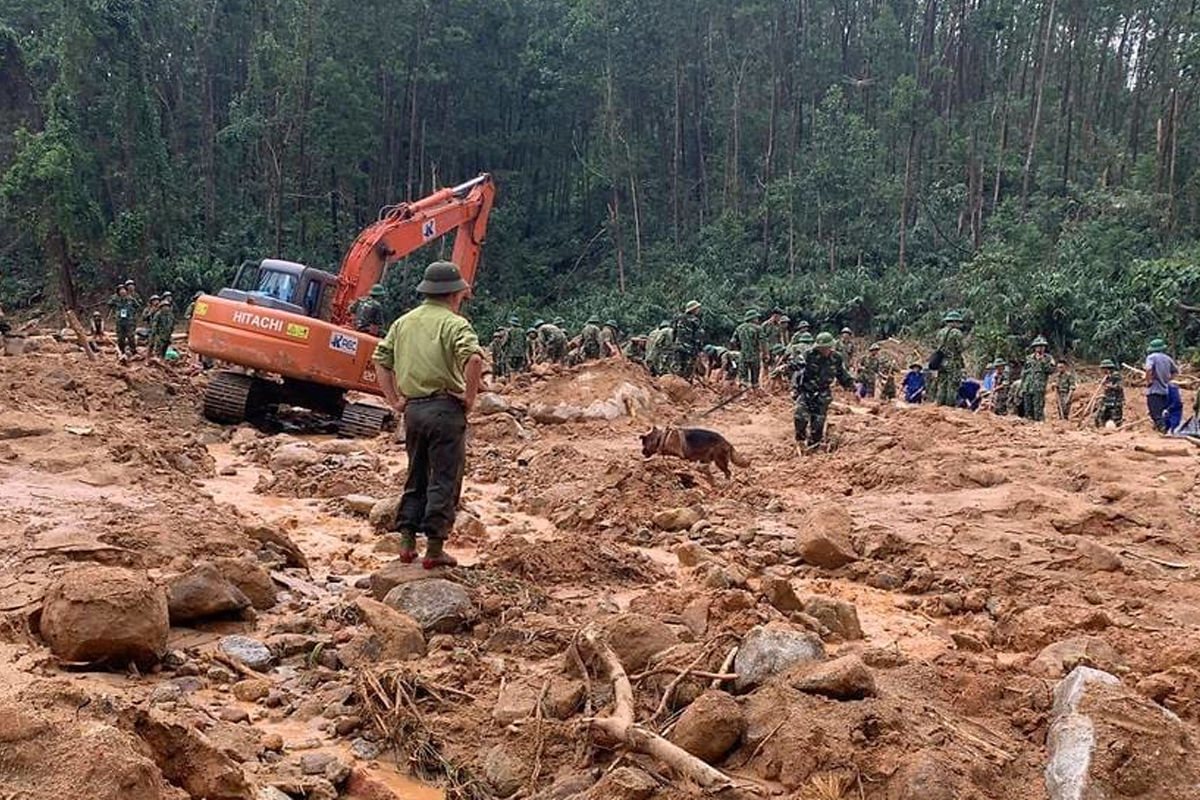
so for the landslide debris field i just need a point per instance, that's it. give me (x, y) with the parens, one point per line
(893, 620)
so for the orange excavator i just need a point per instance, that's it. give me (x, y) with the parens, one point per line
(286, 327)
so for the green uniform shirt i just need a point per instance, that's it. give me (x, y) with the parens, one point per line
(748, 337)
(427, 348)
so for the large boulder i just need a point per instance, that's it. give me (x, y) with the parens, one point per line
(677, 519)
(839, 616)
(1057, 659)
(94, 613)
(435, 603)
(294, 455)
(51, 753)
(771, 649)
(636, 638)
(1106, 741)
(623, 783)
(190, 760)
(845, 678)
(203, 592)
(823, 539)
(505, 770)
(251, 652)
(394, 573)
(251, 579)
(383, 514)
(491, 403)
(710, 727)
(394, 636)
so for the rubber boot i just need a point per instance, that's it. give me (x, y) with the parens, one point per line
(408, 547)
(435, 554)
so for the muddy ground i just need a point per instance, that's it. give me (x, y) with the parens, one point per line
(944, 571)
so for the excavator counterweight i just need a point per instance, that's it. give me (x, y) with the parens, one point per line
(288, 335)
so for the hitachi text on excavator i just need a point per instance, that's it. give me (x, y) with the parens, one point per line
(286, 337)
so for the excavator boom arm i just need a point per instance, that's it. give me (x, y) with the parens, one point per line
(461, 209)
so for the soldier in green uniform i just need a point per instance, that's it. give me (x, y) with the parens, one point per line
(950, 370)
(428, 367)
(845, 347)
(747, 338)
(1112, 402)
(730, 364)
(773, 331)
(888, 392)
(1038, 368)
(610, 338)
(125, 313)
(162, 326)
(554, 342)
(801, 344)
(688, 335)
(868, 371)
(590, 345)
(811, 389)
(499, 355)
(517, 351)
(660, 349)
(533, 348)
(1064, 387)
(1002, 387)
(368, 312)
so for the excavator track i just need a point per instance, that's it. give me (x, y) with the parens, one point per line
(362, 420)
(227, 397)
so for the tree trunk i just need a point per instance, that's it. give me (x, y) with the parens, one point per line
(1037, 105)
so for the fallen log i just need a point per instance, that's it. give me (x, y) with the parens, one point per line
(621, 727)
(80, 334)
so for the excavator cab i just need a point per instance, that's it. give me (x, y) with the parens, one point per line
(284, 286)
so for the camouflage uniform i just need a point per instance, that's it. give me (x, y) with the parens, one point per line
(660, 349)
(1064, 387)
(688, 335)
(554, 343)
(889, 385)
(868, 372)
(125, 310)
(499, 356)
(774, 331)
(1033, 385)
(748, 337)
(1112, 402)
(161, 327)
(949, 377)
(1001, 389)
(516, 351)
(811, 393)
(609, 337)
(590, 345)
(368, 316)
(846, 348)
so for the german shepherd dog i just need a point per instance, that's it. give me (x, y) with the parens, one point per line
(692, 444)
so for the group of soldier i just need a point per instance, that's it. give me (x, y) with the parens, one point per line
(156, 316)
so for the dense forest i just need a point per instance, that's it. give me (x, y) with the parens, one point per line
(1035, 163)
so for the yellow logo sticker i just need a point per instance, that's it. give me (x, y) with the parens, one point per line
(200, 310)
(297, 331)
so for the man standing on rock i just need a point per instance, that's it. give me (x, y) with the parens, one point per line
(1160, 369)
(428, 367)
(811, 393)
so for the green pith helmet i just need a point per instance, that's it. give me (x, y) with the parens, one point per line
(847, 330)
(999, 362)
(785, 319)
(776, 349)
(777, 310)
(129, 283)
(531, 331)
(558, 321)
(153, 298)
(1107, 364)
(952, 316)
(537, 323)
(514, 320)
(692, 305)
(593, 320)
(1040, 342)
(750, 316)
(95, 313)
(805, 338)
(666, 323)
(874, 346)
(824, 339)
(802, 325)
(377, 291)
(165, 296)
(915, 365)
(1156, 346)
(612, 323)
(442, 278)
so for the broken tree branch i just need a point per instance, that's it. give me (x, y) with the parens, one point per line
(620, 726)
